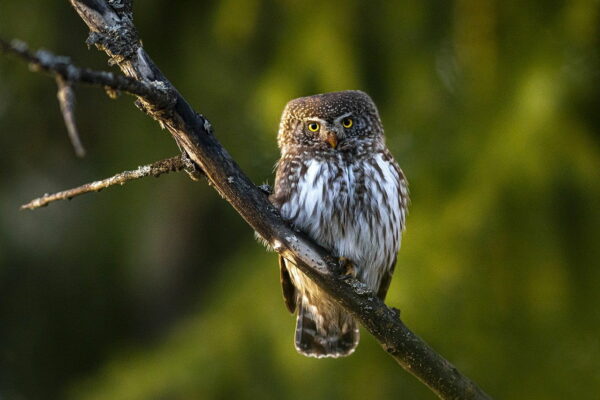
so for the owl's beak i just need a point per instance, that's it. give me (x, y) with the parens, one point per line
(332, 139)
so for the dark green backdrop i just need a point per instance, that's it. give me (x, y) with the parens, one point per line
(157, 290)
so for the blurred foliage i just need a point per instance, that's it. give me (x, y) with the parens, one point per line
(157, 289)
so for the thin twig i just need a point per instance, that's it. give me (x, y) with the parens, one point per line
(43, 60)
(155, 169)
(115, 34)
(66, 100)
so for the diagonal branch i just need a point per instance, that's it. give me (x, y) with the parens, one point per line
(112, 31)
(155, 169)
(116, 35)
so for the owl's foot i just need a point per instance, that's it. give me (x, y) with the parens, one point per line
(348, 267)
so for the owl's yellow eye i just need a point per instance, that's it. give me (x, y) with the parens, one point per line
(347, 122)
(313, 126)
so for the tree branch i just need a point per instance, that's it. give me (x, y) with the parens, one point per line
(62, 67)
(155, 169)
(112, 31)
(66, 100)
(66, 73)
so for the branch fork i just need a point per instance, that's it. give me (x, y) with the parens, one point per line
(112, 30)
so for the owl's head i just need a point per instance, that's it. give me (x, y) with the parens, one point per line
(330, 122)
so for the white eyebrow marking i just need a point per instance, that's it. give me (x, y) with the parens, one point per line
(315, 119)
(343, 116)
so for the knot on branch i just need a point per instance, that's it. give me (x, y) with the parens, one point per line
(123, 8)
(390, 349)
(396, 312)
(207, 125)
(160, 105)
(121, 43)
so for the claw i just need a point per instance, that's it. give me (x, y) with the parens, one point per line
(348, 267)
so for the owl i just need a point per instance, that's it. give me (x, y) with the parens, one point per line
(338, 183)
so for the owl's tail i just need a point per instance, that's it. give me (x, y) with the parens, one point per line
(334, 334)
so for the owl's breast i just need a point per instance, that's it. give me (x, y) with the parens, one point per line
(353, 208)
(319, 197)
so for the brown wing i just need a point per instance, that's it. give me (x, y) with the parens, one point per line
(288, 288)
(386, 279)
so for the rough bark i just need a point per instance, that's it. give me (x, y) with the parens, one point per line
(112, 30)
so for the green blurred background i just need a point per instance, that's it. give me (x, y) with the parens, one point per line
(157, 290)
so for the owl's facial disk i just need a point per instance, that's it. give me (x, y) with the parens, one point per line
(330, 132)
(331, 122)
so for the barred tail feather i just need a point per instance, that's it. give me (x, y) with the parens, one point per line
(319, 337)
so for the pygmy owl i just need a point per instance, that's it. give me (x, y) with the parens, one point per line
(338, 183)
